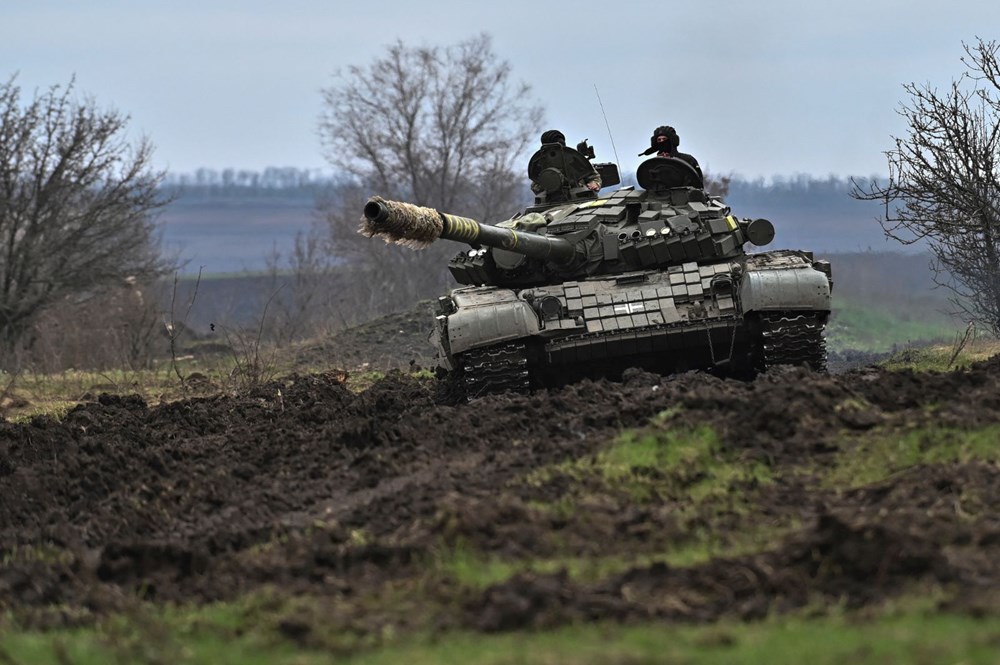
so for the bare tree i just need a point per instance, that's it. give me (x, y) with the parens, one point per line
(944, 182)
(118, 329)
(440, 127)
(76, 200)
(300, 288)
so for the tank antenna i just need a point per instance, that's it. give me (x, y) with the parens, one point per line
(606, 124)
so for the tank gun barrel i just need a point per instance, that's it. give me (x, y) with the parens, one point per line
(417, 226)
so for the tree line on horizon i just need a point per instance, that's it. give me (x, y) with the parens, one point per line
(210, 181)
(284, 178)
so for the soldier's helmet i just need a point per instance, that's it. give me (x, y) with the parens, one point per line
(553, 136)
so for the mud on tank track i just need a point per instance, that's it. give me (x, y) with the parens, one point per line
(211, 498)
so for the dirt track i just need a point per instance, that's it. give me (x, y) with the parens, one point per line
(308, 488)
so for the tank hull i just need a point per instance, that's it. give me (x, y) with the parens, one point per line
(738, 317)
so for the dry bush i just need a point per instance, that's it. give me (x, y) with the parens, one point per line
(120, 329)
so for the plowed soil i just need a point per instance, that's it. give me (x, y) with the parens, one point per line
(305, 488)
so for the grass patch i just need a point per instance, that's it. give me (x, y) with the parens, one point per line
(212, 636)
(361, 381)
(246, 631)
(913, 638)
(879, 455)
(665, 462)
(942, 357)
(863, 327)
(477, 570)
(910, 639)
(260, 628)
(56, 394)
(668, 462)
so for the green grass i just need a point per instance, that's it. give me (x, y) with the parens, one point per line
(662, 461)
(943, 357)
(879, 455)
(657, 462)
(913, 638)
(54, 394)
(878, 328)
(359, 381)
(203, 637)
(252, 630)
(173, 643)
(477, 570)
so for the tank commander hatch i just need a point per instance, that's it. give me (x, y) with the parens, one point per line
(591, 181)
(664, 142)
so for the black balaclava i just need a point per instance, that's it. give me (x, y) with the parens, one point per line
(671, 144)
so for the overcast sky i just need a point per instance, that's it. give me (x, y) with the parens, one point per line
(763, 88)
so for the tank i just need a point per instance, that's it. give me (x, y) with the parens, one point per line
(586, 283)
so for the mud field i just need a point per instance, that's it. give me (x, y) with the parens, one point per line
(365, 502)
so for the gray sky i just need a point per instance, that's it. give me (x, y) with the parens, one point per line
(764, 88)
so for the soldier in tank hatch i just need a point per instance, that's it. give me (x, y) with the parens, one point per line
(664, 142)
(592, 181)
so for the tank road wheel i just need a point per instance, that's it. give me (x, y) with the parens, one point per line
(793, 338)
(494, 369)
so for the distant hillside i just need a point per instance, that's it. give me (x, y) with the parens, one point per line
(226, 226)
(234, 232)
(812, 214)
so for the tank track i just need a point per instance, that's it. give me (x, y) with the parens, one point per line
(793, 338)
(495, 369)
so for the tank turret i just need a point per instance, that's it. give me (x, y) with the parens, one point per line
(668, 225)
(582, 283)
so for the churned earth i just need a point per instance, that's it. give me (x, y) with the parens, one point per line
(684, 498)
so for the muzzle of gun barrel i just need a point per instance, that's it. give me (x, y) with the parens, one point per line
(401, 223)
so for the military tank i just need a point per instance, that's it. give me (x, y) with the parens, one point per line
(588, 283)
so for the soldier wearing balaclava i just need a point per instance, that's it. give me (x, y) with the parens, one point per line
(664, 143)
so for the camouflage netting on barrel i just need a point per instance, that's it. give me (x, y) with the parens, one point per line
(403, 224)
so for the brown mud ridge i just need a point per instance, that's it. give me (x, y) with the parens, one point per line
(305, 488)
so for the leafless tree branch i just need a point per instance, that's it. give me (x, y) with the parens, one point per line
(76, 205)
(944, 182)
